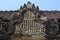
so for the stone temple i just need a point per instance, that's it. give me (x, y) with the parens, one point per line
(29, 21)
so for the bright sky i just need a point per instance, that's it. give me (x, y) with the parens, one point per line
(43, 4)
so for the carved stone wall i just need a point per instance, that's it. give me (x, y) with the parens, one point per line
(31, 27)
(29, 21)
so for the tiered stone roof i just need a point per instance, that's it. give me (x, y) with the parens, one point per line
(14, 14)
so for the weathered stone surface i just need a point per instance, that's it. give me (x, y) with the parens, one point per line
(29, 21)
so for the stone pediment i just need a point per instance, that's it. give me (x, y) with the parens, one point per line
(28, 18)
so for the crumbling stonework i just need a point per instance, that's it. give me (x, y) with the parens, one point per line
(30, 21)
